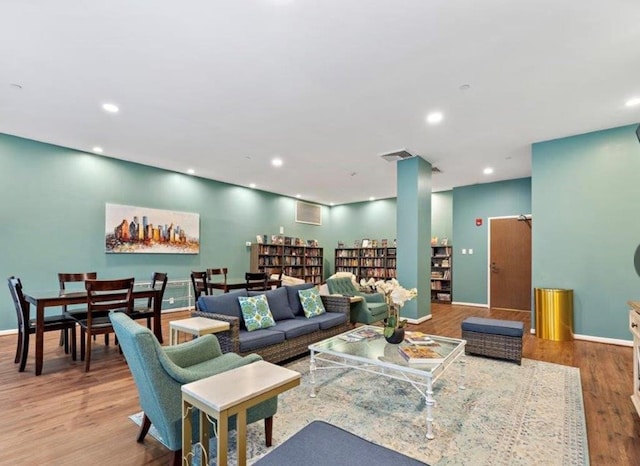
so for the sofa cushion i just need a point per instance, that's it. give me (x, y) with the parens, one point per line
(294, 299)
(278, 303)
(330, 319)
(311, 302)
(251, 341)
(256, 312)
(507, 328)
(293, 328)
(226, 304)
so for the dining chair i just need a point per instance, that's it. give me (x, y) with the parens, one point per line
(158, 282)
(200, 284)
(212, 273)
(27, 326)
(73, 282)
(102, 296)
(274, 276)
(256, 280)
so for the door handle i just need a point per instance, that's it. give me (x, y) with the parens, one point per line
(494, 267)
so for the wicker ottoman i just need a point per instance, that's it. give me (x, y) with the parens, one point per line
(494, 338)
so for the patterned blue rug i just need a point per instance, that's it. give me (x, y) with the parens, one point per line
(508, 415)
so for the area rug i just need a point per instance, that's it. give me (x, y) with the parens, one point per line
(507, 415)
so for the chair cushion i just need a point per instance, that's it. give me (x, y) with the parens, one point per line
(507, 328)
(256, 312)
(251, 341)
(294, 299)
(311, 302)
(293, 328)
(226, 304)
(278, 303)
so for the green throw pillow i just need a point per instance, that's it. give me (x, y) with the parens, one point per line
(256, 312)
(311, 302)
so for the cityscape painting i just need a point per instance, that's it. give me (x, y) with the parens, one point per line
(130, 229)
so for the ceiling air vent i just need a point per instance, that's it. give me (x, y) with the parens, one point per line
(308, 213)
(435, 169)
(400, 154)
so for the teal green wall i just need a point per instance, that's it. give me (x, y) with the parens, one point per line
(500, 199)
(442, 215)
(52, 217)
(586, 225)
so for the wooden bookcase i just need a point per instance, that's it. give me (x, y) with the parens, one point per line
(441, 273)
(304, 262)
(376, 263)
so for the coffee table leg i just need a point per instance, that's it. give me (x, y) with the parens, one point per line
(463, 370)
(241, 441)
(430, 402)
(312, 375)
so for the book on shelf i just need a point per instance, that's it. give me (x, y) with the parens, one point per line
(419, 338)
(259, 239)
(383, 243)
(340, 244)
(420, 354)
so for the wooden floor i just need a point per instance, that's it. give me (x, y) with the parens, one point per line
(68, 417)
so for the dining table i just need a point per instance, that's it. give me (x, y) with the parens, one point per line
(44, 299)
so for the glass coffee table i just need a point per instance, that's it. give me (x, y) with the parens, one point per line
(365, 349)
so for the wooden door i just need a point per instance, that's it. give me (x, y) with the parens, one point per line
(510, 263)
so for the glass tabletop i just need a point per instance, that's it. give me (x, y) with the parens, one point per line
(366, 344)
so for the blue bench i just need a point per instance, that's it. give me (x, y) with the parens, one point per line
(493, 338)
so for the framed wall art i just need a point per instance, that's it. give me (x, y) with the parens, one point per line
(130, 229)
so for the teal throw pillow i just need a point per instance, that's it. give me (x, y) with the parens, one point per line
(256, 312)
(311, 302)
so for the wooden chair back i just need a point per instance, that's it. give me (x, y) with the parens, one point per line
(104, 296)
(274, 276)
(256, 280)
(200, 284)
(212, 273)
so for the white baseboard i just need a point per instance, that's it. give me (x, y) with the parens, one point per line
(594, 339)
(457, 303)
(418, 321)
(11, 331)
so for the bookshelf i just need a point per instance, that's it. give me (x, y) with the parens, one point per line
(441, 273)
(304, 262)
(366, 263)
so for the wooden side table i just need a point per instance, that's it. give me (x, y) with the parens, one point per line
(197, 326)
(223, 395)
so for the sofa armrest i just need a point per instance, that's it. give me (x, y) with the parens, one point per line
(335, 303)
(229, 339)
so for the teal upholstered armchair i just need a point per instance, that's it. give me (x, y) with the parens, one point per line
(372, 308)
(160, 371)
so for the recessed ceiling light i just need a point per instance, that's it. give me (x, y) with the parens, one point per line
(98, 150)
(298, 196)
(434, 118)
(111, 108)
(372, 198)
(487, 171)
(252, 185)
(191, 171)
(633, 102)
(332, 203)
(276, 162)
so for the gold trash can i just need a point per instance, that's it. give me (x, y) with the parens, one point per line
(554, 314)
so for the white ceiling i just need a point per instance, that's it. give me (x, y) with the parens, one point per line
(327, 85)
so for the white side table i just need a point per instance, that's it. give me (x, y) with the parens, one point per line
(225, 394)
(197, 326)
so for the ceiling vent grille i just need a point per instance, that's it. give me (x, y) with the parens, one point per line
(308, 213)
(397, 155)
(435, 169)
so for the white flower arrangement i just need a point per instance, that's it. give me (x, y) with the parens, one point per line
(391, 289)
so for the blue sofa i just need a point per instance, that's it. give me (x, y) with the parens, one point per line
(293, 332)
